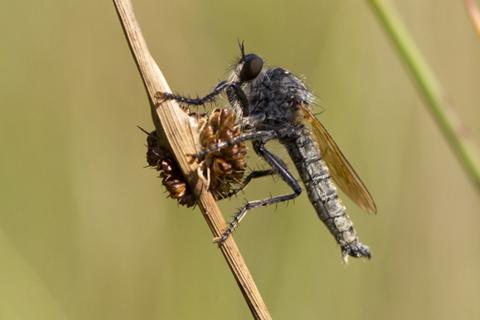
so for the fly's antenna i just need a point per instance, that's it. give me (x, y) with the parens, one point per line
(241, 45)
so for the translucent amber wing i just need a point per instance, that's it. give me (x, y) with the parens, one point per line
(340, 169)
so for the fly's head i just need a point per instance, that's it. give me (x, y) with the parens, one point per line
(246, 70)
(248, 67)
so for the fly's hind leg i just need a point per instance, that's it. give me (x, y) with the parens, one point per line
(281, 169)
(243, 184)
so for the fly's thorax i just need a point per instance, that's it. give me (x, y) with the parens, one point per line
(274, 96)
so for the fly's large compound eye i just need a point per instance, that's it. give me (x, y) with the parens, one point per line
(252, 65)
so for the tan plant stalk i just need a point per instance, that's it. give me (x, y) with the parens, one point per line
(172, 123)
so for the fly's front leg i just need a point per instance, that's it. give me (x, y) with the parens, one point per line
(281, 169)
(165, 96)
(237, 97)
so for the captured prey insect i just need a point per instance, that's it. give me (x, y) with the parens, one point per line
(225, 169)
(272, 103)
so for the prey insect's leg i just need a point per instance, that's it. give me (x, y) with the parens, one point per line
(252, 175)
(254, 135)
(280, 168)
(165, 96)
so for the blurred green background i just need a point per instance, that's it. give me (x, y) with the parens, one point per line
(86, 231)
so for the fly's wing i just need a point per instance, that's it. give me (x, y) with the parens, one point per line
(342, 172)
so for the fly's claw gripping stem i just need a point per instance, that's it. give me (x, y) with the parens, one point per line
(221, 239)
(159, 98)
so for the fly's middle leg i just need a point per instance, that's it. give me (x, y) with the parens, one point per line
(254, 135)
(279, 168)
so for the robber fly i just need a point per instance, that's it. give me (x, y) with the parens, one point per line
(272, 103)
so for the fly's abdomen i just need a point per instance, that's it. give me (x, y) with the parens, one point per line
(306, 155)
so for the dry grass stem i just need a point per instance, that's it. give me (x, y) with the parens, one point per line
(172, 123)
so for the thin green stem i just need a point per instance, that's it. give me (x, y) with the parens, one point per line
(451, 127)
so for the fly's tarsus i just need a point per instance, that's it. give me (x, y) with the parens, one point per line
(252, 205)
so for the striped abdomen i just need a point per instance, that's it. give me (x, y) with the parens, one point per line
(322, 193)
